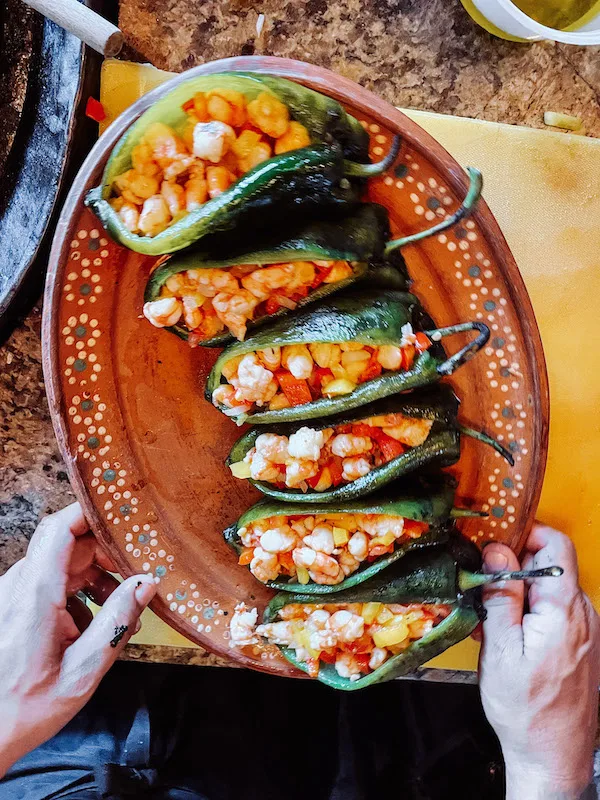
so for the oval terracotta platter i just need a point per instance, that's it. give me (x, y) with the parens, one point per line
(145, 451)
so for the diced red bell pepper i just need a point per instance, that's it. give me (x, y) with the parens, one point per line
(300, 293)
(362, 645)
(336, 469)
(188, 105)
(272, 305)
(327, 658)
(390, 448)
(362, 429)
(423, 342)
(321, 274)
(380, 550)
(408, 356)
(372, 370)
(315, 382)
(286, 561)
(95, 110)
(413, 527)
(312, 482)
(362, 659)
(246, 556)
(295, 389)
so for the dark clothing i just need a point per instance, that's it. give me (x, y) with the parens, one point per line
(186, 733)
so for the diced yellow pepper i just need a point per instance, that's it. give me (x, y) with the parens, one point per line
(384, 540)
(355, 370)
(339, 372)
(303, 576)
(370, 611)
(339, 387)
(240, 469)
(412, 616)
(384, 616)
(303, 638)
(391, 634)
(324, 481)
(340, 536)
(345, 521)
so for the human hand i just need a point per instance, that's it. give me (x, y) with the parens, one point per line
(539, 671)
(52, 654)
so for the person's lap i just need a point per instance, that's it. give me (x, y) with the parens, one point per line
(186, 732)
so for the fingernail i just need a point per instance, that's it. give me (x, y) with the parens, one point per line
(494, 561)
(138, 626)
(145, 590)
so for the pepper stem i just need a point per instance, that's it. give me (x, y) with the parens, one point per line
(459, 513)
(452, 363)
(469, 203)
(483, 437)
(471, 580)
(354, 170)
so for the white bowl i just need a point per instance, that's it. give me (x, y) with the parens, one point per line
(509, 20)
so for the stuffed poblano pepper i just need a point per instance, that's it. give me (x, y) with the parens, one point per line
(385, 627)
(210, 297)
(210, 300)
(355, 453)
(230, 150)
(339, 354)
(329, 547)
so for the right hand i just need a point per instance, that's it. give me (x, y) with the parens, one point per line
(539, 671)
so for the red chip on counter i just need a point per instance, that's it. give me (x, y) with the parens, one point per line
(95, 110)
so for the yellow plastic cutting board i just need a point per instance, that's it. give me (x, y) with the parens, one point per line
(544, 189)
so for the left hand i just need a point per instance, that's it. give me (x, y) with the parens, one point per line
(52, 654)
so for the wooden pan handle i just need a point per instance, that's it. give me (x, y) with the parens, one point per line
(82, 22)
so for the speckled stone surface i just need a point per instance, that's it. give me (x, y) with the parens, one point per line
(427, 55)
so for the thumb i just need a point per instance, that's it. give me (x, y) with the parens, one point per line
(503, 601)
(88, 659)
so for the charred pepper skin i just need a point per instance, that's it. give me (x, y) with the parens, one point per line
(426, 577)
(370, 317)
(423, 502)
(357, 238)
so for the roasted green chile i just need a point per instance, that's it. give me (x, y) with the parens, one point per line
(325, 175)
(422, 503)
(441, 448)
(446, 574)
(370, 317)
(358, 238)
(426, 577)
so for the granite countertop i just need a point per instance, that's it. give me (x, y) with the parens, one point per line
(429, 56)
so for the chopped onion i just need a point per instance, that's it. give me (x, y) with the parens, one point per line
(285, 301)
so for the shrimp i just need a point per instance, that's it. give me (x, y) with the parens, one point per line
(269, 115)
(378, 657)
(235, 310)
(354, 468)
(178, 166)
(264, 566)
(326, 355)
(408, 336)
(321, 539)
(261, 469)
(347, 444)
(130, 217)
(348, 626)
(196, 193)
(249, 537)
(210, 282)
(317, 563)
(142, 161)
(212, 140)
(164, 312)
(262, 282)
(358, 546)
(297, 358)
(242, 625)
(300, 470)
(389, 356)
(339, 272)
(281, 632)
(347, 666)
(273, 447)
(347, 562)
(192, 315)
(155, 216)
(164, 144)
(380, 524)
(278, 540)
(225, 396)
(174, 196)
(294, 138)
(255, 383)
(270, 357)
(306, 443)
(411, 432)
